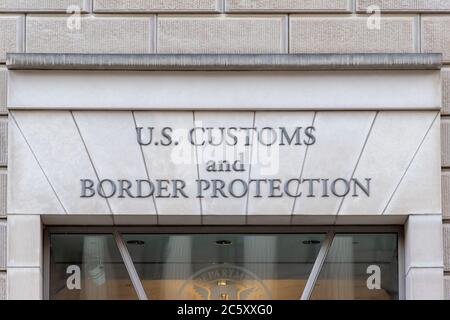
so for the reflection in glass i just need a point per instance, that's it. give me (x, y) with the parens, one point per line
(359, 266)
(87, 267)
(223, 266)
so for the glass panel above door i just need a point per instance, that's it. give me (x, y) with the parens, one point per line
(224, 266)
(87, 267)
(360, 266)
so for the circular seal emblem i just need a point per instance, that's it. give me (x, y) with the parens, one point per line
(224, 282)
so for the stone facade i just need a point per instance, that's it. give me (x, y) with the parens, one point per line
(222, 26)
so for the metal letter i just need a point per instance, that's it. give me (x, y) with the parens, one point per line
(85, 187)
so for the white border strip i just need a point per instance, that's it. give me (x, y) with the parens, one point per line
(225, 90)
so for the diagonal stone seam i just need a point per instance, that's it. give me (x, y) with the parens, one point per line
(198, 167)
(302, 168)
(38, 162)
(250, 167)
(146, 168)
(90, 158)
(359, 158)
(410, 163)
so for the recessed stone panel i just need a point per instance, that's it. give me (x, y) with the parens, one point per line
(89, 34)
(68, 6)
(445, 190)
(333, 34)
(445, 72)
(3, 141)
(445, 142)
(446, 236)
(231, 34)
(447, 287)
(3, 193)
(2, 244)
(2, 285)
(156, 5)
(435, 35)
(287, 5)
(11, 35)
(3, 89)
(403, 5)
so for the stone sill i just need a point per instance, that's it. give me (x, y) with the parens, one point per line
(224, 62)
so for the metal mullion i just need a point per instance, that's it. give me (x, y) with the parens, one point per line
(317, 267)
(134, 277)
